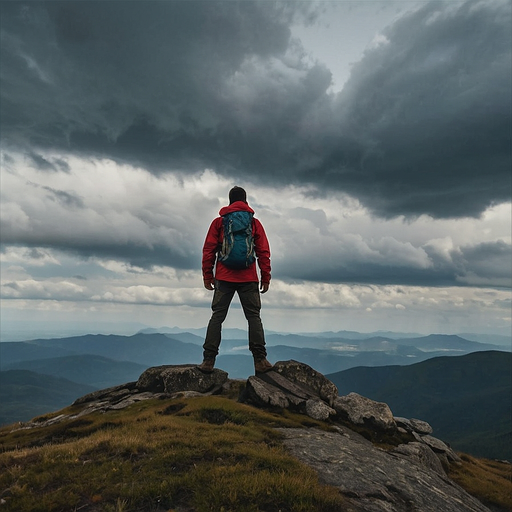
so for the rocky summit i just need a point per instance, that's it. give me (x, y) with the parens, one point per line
(379, 462)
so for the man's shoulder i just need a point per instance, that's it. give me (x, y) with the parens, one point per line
(216, 223)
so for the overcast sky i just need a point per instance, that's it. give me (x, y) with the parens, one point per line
(374, 140)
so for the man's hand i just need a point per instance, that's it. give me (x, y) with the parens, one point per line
(208, 284)
(264, 287)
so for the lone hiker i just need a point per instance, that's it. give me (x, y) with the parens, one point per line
(234, 242)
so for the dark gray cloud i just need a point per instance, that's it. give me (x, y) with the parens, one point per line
(128, 78)
(488, 260)
(66, 199)
(431, 110)
(486, 264)
(45, 164)
(422, 127)
(36, 254)
(132, 253)
(127, 217)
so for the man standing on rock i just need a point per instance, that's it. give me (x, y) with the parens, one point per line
(234, 242)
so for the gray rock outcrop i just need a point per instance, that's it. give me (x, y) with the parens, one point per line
(156, 382)
(373, 480)
(292, 385)
(362, 411)
(173, 379)
(308, 378)
(421, 431)
(298, 387)
(441, 449)
(413, 425)
(408, 476)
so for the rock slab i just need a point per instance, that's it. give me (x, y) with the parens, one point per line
(407, 479)
(292, 385)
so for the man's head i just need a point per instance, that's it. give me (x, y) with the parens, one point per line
(237, 194)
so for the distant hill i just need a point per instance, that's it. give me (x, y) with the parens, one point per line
(187, 337)
(227, 333)
(14, 351)
(504, 341)
(234, 333)
(466, 399)
(237, 366)
(336, 354)
(239, 363)
(25, 394)
(91, 361)
(145, 349)
(354, 335)
(440, 342)
(327, 355)
(97, 371)
(105, 360)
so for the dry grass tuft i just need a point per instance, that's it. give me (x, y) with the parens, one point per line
(489, 481)
(198, 454)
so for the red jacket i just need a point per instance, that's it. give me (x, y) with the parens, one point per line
(214, 240)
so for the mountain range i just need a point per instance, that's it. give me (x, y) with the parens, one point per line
(326, 354)
(25, 394)
(42, 375)
(466, 399)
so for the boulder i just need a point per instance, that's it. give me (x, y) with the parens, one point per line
(421, 427)
(308, 378)
(258, 392)
(318, 409)
(422, 454)
(440, 448)
(172, 379)
(362, 411)
(413, 425)
(292, 385)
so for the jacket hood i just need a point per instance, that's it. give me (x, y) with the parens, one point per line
(237, 206)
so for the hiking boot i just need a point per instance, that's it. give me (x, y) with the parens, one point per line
(262, 365)
(207, 366)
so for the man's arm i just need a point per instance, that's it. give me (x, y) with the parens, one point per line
(262, 249)
(210, 247)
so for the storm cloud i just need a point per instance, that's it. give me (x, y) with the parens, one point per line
(120, 213)
(383, 182)
(421, 127)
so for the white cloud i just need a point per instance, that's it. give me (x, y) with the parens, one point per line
(118, 208)
(36, 257)
(47, 290)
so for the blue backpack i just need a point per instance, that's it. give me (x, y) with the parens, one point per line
(237, 249)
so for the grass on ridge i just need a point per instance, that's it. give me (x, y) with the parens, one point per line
(199, 454)
(489, 481)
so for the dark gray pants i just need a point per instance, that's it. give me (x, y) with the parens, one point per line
(250, 300)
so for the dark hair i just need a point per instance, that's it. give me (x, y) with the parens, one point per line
(237, 194)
